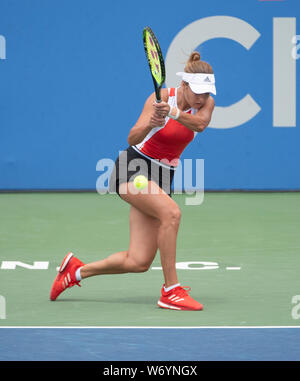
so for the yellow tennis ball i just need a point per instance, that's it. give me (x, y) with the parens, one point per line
(140, 182)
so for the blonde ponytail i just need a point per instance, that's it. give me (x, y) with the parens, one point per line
(195, 65)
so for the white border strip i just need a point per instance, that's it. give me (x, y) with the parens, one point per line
(145, 327)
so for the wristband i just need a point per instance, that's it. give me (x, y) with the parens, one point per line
(172, 116)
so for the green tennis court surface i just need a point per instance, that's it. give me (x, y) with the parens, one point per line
(239, 252)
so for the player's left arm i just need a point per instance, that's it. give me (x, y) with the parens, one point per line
(197, 122)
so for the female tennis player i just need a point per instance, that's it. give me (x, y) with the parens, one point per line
(156, 142)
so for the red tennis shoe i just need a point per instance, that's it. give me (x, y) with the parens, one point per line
(178, 299)
(66, 275)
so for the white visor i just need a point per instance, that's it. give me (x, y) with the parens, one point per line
(200, 83)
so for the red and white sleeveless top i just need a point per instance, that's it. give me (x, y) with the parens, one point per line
(166, 143)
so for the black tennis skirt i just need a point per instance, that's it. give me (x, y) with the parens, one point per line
(131, 163)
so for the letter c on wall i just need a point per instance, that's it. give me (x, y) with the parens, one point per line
(204, 30)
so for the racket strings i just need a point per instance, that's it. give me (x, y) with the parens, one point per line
(153, 58)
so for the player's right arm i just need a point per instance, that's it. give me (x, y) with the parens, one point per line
(148, 119)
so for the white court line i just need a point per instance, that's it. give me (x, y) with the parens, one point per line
(159, 327)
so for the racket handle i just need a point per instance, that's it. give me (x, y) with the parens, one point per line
(157, 95)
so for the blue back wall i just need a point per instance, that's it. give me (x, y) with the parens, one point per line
(74, 78)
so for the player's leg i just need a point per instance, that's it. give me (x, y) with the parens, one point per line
(154, 202)
(138, 258)
(159, 205)
(141, 251)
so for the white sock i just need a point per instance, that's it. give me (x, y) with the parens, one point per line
(171, 287)
(77, 274)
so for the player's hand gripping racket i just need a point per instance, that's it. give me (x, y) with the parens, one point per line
(155, 61)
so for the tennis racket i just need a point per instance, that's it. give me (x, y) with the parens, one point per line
(155, 60)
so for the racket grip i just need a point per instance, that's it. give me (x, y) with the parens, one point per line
(157, 96)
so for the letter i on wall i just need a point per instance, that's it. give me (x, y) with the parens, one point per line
(2, 48)
(284, 72)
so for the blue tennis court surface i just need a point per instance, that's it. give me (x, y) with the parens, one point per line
(150, 344)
